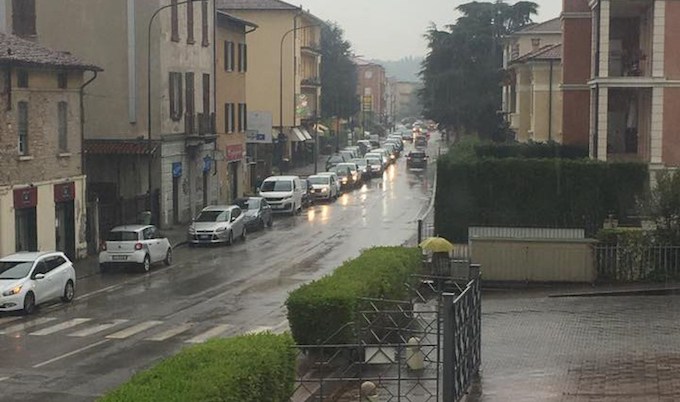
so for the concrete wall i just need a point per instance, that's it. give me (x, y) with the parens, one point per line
(527, 260)
(542, 94)
(672, 42)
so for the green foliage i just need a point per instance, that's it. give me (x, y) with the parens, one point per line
(533, 192)
(530, 150)
(318, 309)
(338, 74)
(664, 207)
(250, 368)
(626, 236)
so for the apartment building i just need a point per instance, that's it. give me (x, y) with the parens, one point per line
(372, 89)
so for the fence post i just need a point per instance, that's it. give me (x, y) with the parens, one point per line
(420, 231)
(448, 377)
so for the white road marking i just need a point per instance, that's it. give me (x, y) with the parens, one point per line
(218, 330)
(171, 332)
(23, 326)
(135, 329)
(98, 328)
(106, 289)
(3, 379)
(65, 355)
(60, 327)
(7, 320)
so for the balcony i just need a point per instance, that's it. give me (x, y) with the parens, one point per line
(629, 124)
(312, 48)
(199, 128)
(630, 38)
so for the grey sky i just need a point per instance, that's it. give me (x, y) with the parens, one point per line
(392, 29)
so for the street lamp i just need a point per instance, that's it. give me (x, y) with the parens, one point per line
(283, 38)
(148, 87)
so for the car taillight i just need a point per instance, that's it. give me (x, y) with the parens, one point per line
(102, 246)
(138, 246)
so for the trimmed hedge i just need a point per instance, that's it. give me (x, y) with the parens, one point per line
(318, 309)
(248, 368)
(538, 150)
(533, 192)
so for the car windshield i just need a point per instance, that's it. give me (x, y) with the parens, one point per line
(212, 216)
(373, 161)
(248, 203)
(120, 235)
(319, 179)
(276, 185)
(417, 155)
(346, 166)
(342, 171)
(15, 269)
(360, 162)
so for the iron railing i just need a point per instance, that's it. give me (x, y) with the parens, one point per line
(617, 263)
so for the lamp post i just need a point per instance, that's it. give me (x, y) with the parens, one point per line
(283, 38)
(148, 86)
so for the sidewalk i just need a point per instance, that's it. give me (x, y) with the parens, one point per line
(308, 169)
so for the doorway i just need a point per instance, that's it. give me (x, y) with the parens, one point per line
(175, 200)
(26, 232)
(205, 188)
(65, 228)
(233, 177)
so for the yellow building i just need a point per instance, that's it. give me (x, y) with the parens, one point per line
(283, 80)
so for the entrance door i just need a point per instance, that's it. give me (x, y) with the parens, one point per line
(26, 232)
(65, 227)
(233, 175)
(175, 200)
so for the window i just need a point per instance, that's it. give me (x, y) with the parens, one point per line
(22, 79)
(62, 110)
(149, 233)
(23, 17)
(229, 118)
(229, 56)
(175, 89)
(242, 117)
(174, 22)
(368, 74)
(189, 93)
(206, 95)
(367, 91)
(190, 23)
(22, 123)
(242, 57)
(62, 80)
(204, 24)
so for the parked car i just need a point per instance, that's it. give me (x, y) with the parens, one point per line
(307, 199)
(357, 178)
(334, 160)
(381, 154)
(283, 193)
(257, 212)
(334, 177)
(218, 224)
(323, 187)
(28, 279)
(141, 245)
(416, 159)
(364, 167)
(375, 162)
(346, 178)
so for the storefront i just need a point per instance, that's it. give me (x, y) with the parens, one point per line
(235, 173)
(25, 219)
(64, 222)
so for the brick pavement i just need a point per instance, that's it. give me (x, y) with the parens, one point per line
(536, 348)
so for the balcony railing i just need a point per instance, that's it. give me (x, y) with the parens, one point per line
(311, 82)
(200, 123)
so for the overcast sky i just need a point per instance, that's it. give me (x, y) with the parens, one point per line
(392, 29)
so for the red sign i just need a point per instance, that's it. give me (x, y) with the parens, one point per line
(64, 192)
(234, 152)
(25, 197)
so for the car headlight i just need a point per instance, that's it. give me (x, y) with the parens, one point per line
(13, 291)
(344, 180)
(222, 229)
(192, 230)
(324, 190)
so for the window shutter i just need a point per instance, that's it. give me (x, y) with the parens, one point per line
(63, 126)
(245, 57)
(231, 56)
(233, 118)
(189, 78)
(206, 95)
(204, 25)
(171, 94)
(174, 22)
(190, 23)
(23, 17)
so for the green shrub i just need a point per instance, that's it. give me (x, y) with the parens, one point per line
(539, 150)
(251, 368)
(533, 192)
(318, 309)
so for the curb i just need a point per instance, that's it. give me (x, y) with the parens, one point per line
(627, 292)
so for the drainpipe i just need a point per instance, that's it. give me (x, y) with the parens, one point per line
(82, 122)
(597, 85)
(550, 102)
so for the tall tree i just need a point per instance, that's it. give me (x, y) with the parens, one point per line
(461, 72)
(338, 74)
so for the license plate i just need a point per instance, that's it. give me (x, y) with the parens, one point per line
(204, 237)
(119, 257)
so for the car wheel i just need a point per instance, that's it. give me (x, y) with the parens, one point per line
(243, 234)
(168, 257)
(230, 238)
(29, 303)
(270, 222)
(69, 292)
(146, 264)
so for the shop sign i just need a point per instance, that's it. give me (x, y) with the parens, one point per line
(207, 164)
(176, 169)
(25, 197)
(234, 152)
(259, 128)
(64, 192)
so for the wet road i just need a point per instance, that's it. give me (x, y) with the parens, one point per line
(123, 322)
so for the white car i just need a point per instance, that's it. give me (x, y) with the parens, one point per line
(31, 278)
(218, 224)
(283, 193)
(142, 245)
(334, 177)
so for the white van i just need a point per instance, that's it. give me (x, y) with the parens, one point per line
(283, 193)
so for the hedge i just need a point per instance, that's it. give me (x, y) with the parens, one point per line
(253, 368)
(533, 192)
(538, 150)
(318, 309)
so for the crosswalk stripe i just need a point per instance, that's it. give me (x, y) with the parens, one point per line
(218, 330)
(60, 327)
(259, 330)
(170, 332)
(24, 325)
(135, 329)
(98, 328)
(7, 320)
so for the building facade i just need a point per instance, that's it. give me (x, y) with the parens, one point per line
(140, 158)
(372, 90)
(42, 185)
(634, 83)
(407, 101)
(283, 81)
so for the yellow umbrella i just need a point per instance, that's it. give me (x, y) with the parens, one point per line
(437, 245)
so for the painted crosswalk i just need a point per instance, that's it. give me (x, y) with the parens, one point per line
(133, 330)
(98, 328)
(170, 333)
(60, 327)
(25, 325)
(211, 333)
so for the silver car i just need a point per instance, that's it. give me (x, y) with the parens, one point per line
(323, 187)
(334, 177)
(218, 224)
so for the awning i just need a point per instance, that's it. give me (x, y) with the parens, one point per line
(306, 134)
(321, 127)
(297, 135)
(119, 147)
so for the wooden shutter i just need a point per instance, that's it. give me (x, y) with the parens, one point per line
(204, 24)
(245, 57)
(23, 17)
(63, 126)
(174, 22)
(190, 93)
(206, 95)
(190, 23)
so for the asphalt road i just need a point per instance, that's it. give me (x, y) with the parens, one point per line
(123, 322)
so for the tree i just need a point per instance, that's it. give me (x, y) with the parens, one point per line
(338, 74)
(664, 206)
(461, 72)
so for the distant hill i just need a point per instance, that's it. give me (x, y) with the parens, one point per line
(405, 69)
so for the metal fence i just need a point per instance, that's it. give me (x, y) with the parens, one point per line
(426, 221)
(618, 263)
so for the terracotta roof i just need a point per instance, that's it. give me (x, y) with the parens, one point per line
(17, 51)
(222, 14)
(551, 26)
(119, 147)
(254, 5)
(548, 52)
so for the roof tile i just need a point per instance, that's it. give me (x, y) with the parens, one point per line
(15, 50)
